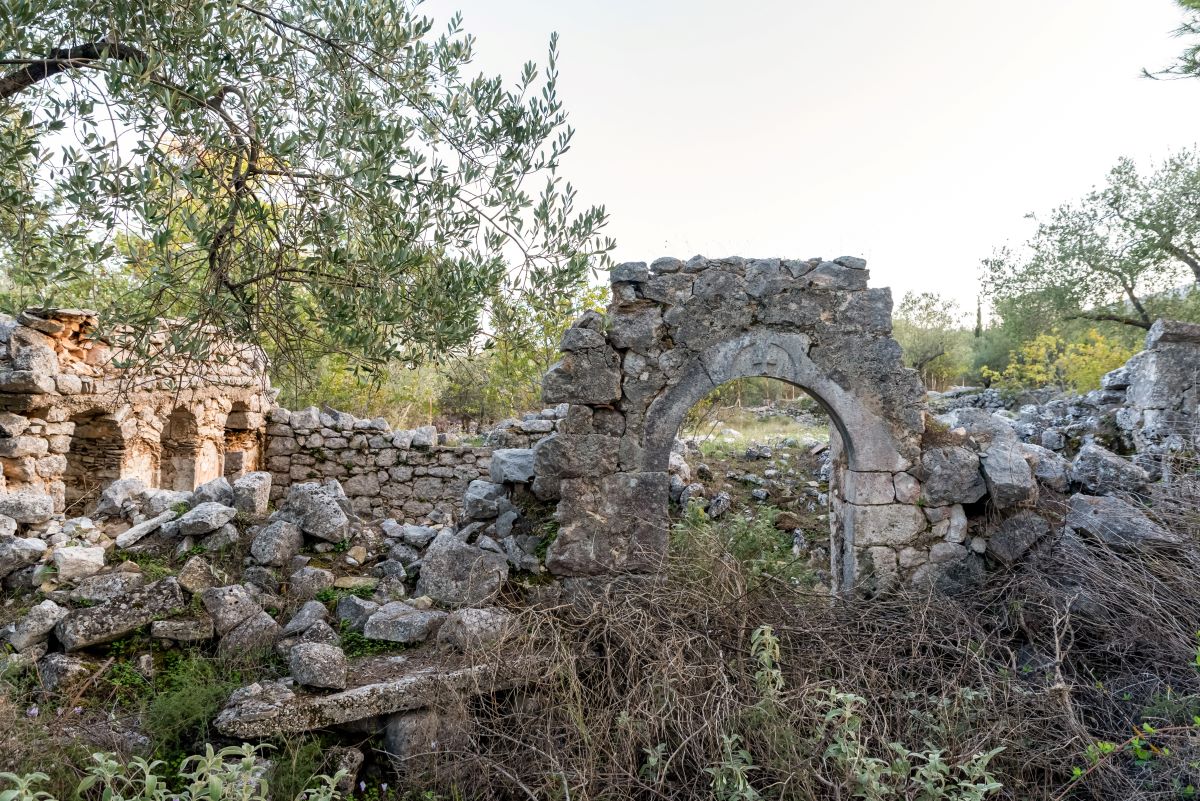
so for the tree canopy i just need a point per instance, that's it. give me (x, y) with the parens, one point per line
(322, 177)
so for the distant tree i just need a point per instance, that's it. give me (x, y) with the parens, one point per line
(930, 331)
(321, 175)
(1048, 361)
(1121, 254)
(1189, 61)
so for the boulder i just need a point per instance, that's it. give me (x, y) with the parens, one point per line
(511, 465)
(229, 606)
(482, 499)
(470, 630)
(353, 612)
(17, 552)
(318, 665)
(116, 495)
(308, 614)
(1117, 523)
(83, 628)
(78, 562)
(307, 582)
(399, 622)
(106, 586)
(27, 507)
(197, 575)
(63, 673)
(205, 517)
(155, 501)
(950, 475)
(1013, 538)
(252, 494)
(215, 491)
(35, 627)
(185, 629)
(1007, 475)
(1049, 468)
(135, 534)
(277, 543)
(455, 574)
(318, 510)
(256, 634)
(1100, 472)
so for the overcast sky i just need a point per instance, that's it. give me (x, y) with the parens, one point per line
(917, 134)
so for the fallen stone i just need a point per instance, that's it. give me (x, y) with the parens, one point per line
(252, 494)
(277, 543)
(18, 552)
(35, 627)
(197, 575)
(1007, 475)
(511, 465)
(106, 586)
(26, 506)
(353, 612)
(317, 665)
(950, 475)
(1013, 538)
(135, 534)
(399, 622)
(229, 606)
(256, 634)
(470, 630)
(205, 517)
(1117, 523)
(311, 612)
(78, 562)
(83, 628)
(215, 491)
(1100, 471)
(317, 509)
(455, 574)
(116, 495)
(482, 499)
(183, 629)
(62, 673)
(307, 582)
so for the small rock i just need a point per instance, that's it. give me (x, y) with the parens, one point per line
(317, 665)
(78, 562)
(399, 622)
(470, 630)
(205, 517)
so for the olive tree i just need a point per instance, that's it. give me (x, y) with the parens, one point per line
(318, 176)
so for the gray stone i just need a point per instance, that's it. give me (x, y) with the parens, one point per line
(317, 509)
(635, 271)
(224, 537)
(1101, 471)
(252, 494)
(115, 496)
(78, 562)
(1049, 468)
(256, 634)
(511, 465)
(894, 525)
(482, 499)
(26, 506)
(308, 614)
(417, 536)
(469, 630)
(1116, 523)
(950, 475)
(1007, 475)
(317, 665)
(197, 575)
(35, 627)
(106, 586)
(215, 491)
(307, 582)
(135, 534)
(63, 673)
(155, 502)
(17, 552)
(83, 628)
(229, 606)
(277, 543)
(456, 574)
(424, 437)
(184, 629)
(1013, 538)
(399, 622)
(205, 517)
(353, 612)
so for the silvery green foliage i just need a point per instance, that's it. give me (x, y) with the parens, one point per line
(310, 175)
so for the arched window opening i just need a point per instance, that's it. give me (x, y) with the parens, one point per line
(94, 460)
(180, 445)
(242, 441)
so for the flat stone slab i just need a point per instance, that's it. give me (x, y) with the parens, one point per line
(377, 686)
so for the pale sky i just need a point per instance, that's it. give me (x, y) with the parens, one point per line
(916, 134)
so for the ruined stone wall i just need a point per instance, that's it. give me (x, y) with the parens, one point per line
(406, 475)
(75, 415)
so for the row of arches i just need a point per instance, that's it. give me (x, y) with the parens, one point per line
(179, 457)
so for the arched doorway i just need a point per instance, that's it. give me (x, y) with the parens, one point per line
(674, 332)
(180, 447)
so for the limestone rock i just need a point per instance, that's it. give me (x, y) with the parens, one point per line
(277, 543)
(511, 465)
(229, 606)
(62, 673)
(317, 665)
(1049, 468)
(106, 586)
(307, 582)
(78, 562)
(116, 495)
(135, 534)
(83, 628)
(1100, 471)
(950, 475)
(469, 630)
(197, 575)
(399, 622)
(252, 494)
(482, 499)
(457, 574)
(1013, 538)
(1009, 479)
(17, 552)
(354, 612)
(27, 506)
(205, 517)
(257, 633)
(1117, 523)
(308, 614)
(215, 491)
(184, 630)
(317, 509)
(35, 627)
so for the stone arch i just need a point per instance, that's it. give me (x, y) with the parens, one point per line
(180, 442)
(673, 333)
(96, 457)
